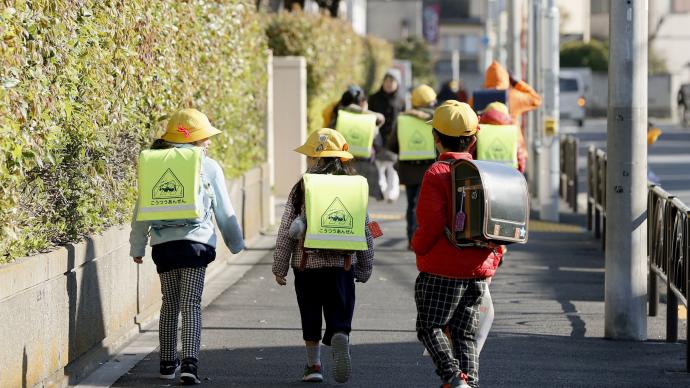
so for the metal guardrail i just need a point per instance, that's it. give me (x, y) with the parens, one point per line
(668, 231)
(596, 193)
(568, 182)
(668, 249)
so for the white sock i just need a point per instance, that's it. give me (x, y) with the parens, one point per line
(313, 355)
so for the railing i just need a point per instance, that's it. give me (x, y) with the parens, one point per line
(596, 193)
(668, 230)
(568, 182)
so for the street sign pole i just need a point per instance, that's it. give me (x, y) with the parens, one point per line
(549, 162)
(533, 69)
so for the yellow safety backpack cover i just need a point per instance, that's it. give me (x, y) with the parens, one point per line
(415, 138)
(336, 207)
(358, 129)
(498, 143)
(169, 181)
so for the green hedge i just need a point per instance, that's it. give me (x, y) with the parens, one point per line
(417, 51)
(336, 56)
(593, 54)
(84, 85)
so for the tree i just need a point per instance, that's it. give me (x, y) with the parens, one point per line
(593, 54)
(417, 52)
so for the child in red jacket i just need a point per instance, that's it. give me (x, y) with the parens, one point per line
(449, 288)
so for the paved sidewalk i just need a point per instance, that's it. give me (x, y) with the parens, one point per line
(548, 330)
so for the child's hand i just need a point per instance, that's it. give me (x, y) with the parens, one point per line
(281, 280)
(138, 259)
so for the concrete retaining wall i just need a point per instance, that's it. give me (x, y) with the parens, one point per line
(66, 311)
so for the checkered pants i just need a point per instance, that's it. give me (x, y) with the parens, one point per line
(182, 289)
(452, 303)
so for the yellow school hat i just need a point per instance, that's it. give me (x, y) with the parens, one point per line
(325, 143)
(497, 106)
(455, 118)
(187, 126)
(423, 96)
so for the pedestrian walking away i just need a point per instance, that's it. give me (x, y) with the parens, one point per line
(180, 191)
(522, 98)
(324, 237)
(451, 281)
(389, 103)
(360, 128)
(498, 138)
(413, 141)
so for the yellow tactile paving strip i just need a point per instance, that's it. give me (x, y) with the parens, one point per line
(553, 227)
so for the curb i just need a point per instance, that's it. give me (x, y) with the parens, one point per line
(218, 280)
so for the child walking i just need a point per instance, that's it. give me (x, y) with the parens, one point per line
(180, 190)
(324, 237)
(451, 281)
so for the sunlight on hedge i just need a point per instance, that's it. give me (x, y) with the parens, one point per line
(84, 85)
(336, 56)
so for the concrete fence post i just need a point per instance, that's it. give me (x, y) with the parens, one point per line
(290, 112)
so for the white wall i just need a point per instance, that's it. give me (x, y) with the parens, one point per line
(384, 19)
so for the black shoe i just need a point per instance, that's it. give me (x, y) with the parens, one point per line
(189, 374)
(168, 369)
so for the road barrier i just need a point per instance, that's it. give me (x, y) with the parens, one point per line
(596, 193)
(568, 182)
(668, 231)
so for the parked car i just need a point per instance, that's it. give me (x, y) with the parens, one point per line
(572, 97)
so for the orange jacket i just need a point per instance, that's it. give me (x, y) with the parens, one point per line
(521, 98)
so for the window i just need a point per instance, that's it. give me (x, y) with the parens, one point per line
(600, 7)
(470, 44)
(454, 9)
(450, 42)
(567, 84)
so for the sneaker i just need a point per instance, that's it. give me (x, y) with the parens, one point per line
(341, 357)
(312, 374)
(458, 381)
(189, 374)
(168, 369)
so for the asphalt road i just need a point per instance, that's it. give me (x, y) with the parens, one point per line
(548, 331)
(669, 157)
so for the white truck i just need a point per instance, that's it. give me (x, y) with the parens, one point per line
(574, 86)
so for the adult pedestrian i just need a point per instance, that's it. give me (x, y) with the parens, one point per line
(388, 102)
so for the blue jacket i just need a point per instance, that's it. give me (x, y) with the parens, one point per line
(216, 202)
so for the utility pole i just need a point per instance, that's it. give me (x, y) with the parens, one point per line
(549, 162)
(514, 24)
(625, 287)
(533, 117)
(489, 36)
(500, 26)
(455, 64)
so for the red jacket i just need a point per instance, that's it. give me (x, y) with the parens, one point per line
(435, 254)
